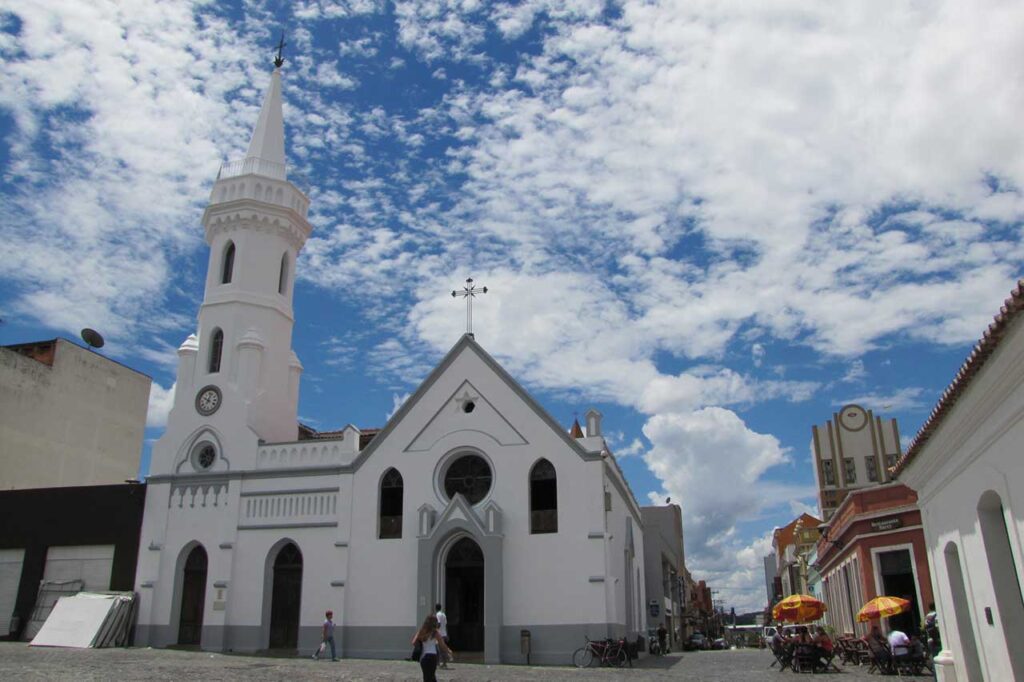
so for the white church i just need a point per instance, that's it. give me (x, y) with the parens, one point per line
(471, 495)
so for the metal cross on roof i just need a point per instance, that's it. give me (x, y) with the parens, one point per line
(279, 59)
(469, 292)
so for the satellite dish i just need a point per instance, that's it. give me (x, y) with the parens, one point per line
(92, 337)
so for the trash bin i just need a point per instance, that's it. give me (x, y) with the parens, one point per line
(524, 644)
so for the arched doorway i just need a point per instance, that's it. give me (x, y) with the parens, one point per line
(464, 595)
(193, 596)
(961, 612)
(1005, 576)
(286, 598)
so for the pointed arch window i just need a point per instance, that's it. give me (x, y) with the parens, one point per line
(216, 349)
(282, 278)
(391, 488)
(543, 498)
(227, 266)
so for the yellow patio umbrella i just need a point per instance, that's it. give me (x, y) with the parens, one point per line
(799, 608)
(882, 607)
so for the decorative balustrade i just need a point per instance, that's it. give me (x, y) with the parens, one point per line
(207, 493)
(252, 166)
(303, 454)
(301, 508)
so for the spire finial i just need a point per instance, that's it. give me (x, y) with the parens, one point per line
(279, 59)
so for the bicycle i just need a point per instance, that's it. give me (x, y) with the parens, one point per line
(608, 652)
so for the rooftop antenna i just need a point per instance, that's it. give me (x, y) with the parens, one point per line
(469, 292)
(279, 59)
(92, 338)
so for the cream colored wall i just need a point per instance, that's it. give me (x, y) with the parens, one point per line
(79, 422)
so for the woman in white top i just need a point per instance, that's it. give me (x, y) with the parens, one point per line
(430, 637)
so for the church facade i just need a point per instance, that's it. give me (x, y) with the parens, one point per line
(472, 495)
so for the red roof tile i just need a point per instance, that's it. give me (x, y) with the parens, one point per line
(975, 361)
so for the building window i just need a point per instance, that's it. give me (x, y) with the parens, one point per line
(391, 505)
(870, 463)
(828, 472)
(204, 454)
(282, 278)
(469, 475)
(890, 461)
(216, 349)
(543, 498)
(227, 263)
(849, 470)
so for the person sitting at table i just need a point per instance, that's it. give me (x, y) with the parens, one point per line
(824, 644)
(879, 648)
(899, 643)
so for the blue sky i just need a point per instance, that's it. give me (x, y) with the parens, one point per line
(715, 221)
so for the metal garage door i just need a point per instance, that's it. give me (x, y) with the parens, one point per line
(10, 577)
(92, 564)
(69, 570)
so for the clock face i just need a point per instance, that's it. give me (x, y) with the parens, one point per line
(853, 417)
(208, 400)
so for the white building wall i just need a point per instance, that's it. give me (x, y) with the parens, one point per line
(976, 449)
(539, 584)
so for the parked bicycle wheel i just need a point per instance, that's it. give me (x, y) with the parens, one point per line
(615, 658)
(583, 657)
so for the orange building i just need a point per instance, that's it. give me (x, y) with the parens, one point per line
(873, 546)
(790, 545)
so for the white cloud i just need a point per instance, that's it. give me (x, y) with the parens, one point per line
(161, 400)
(855, 372)
(396, 403)
(757, 353)
(714, 466)
(635, 447)
(903, 399)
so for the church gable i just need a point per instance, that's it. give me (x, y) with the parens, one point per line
(467, 409)
(438, 408)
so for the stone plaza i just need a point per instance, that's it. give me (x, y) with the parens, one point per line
(19, 661)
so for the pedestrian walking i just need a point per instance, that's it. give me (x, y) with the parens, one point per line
(429, 636)
(327, 637)
(442, 627)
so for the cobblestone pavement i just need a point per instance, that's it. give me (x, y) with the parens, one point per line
(22, 662)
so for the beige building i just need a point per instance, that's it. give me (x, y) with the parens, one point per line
(664, 562)
(853, 450)
(68, 417)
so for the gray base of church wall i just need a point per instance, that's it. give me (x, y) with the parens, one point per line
(550, 644)
(235, 638)
(383, 641)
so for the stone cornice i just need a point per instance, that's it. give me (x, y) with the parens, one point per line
(279, 306)
(255, 215)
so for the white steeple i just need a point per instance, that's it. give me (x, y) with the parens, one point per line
(267, 142)
(238, 377)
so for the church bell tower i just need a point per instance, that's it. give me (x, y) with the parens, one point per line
(238, 377)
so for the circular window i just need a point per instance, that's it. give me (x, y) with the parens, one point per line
(469, 475)
(468, 406)
(203, 456)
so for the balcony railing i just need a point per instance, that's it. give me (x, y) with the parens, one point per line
(253, 166)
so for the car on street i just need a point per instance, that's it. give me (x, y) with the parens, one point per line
(698, 641)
